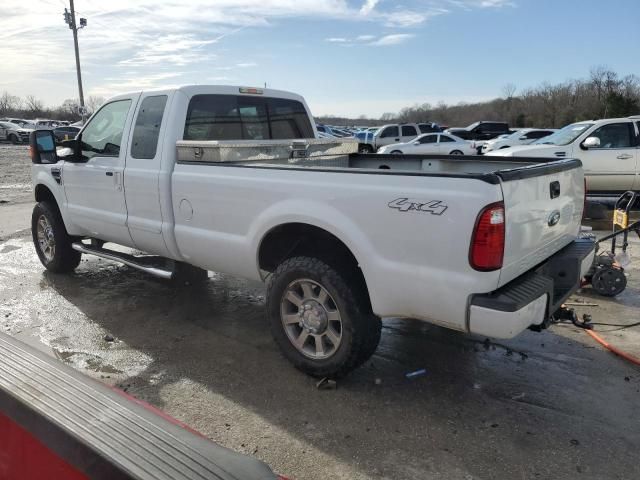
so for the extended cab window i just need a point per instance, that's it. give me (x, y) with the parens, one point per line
(408, 131)
(389, 132)
(147, 129)
(233, 117)
(103, 134)
(615, 135)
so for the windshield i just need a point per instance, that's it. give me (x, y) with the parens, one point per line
(472, 126)
(565, 135)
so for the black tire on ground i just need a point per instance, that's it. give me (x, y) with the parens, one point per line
(396, 152)
(609, 281)
(360, 329)
(363, 148)
(14, 139)
(456, 152)
(187, 274)
(61, 258)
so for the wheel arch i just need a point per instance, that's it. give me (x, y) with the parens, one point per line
(290, 239)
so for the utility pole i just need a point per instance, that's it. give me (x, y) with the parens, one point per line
(70, 19)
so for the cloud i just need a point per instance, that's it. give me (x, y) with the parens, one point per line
(335, 40)
(394, 39)
(365, 38)
(368, 7)
(408, 18)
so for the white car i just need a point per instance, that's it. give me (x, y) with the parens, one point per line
(523, 136)
(607, 148)
(15, 133)
(342, 239)
(432, 143)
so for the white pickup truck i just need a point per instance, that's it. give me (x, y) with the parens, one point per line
(231, 179)
(608, 148)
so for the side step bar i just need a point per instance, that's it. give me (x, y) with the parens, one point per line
(129, 260)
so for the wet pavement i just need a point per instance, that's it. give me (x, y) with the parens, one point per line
(550, 405)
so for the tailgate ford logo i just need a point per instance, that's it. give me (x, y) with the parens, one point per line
(554, 218)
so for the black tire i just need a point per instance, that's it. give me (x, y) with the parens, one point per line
(14, 139)
(456, 152)
(360, 329)
(396, 152)
(609, 281)
(363, 148)
(63, 258)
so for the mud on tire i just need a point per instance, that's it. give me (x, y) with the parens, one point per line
(51, 240)
(359, 333)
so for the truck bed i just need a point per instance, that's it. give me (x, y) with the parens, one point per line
(330, 155)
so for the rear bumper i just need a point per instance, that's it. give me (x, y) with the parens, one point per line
(531, 299)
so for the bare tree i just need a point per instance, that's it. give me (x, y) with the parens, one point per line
(9, 103)
(93, 103)
(33, 105)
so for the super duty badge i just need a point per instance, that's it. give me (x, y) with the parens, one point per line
(434, 207)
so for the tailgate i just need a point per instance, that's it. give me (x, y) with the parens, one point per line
(543, 211)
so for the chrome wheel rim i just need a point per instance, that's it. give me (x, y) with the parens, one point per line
(311, 319)
(46, 239)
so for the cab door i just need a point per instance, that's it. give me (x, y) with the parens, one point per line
(94, 186)
(612, 166)
(387, 136)
(407, 133)
(142, 173)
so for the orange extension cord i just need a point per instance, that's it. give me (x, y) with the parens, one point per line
(613, 349)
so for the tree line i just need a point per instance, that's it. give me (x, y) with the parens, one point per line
(604, 94)
(30, 107)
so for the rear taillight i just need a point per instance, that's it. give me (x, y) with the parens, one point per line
(487, 242)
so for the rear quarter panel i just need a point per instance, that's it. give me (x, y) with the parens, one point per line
(415, 262)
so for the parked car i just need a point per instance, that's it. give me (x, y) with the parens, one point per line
(17, 121)
(342, 239)
(481, 130)
(65, 133)
(608, 150)
(388, 134)
(524, 136)
(14, 133)
(432, 143)
(429, 127)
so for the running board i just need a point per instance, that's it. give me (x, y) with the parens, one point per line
(124, 258)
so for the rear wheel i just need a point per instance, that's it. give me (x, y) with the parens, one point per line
(319, 318)
(456, 152)
(396, 152)
(51, 240)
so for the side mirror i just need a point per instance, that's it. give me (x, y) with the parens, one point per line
(416, 143)
(523, 138)
(591, 142)
(42, 146)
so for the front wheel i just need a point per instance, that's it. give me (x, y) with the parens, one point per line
(51, 240)
(456, 152)
(396, 152)
(319, 318)
(14, 139)
(365, 149)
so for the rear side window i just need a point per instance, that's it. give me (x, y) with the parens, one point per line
(232, 117)
(409, 131)
(429, 139)
(389, 132)
(444, 139)
(147, 129)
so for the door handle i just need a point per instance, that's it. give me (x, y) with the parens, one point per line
(624, 156)
(109, 174)
(397, 139)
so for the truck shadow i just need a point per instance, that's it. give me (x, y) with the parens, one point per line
(482, 408)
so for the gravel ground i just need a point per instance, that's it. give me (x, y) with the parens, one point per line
(550, 405)
(15, 174)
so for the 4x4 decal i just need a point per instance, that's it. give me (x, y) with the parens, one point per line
(434, 207)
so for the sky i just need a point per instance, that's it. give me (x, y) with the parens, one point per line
(346, 57)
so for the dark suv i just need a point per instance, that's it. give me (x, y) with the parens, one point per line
(481, 130)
